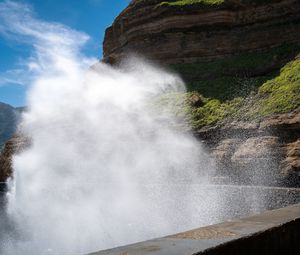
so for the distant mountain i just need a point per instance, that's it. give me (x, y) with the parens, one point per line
(9, 118)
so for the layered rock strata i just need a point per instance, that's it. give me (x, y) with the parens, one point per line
(212, 46)
(218, 43)
(197, 33)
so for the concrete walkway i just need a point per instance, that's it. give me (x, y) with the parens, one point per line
(272, 232)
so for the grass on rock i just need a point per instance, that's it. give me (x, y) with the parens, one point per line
(190, 2)
(278, 95)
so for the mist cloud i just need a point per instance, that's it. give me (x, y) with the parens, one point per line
(104, 168)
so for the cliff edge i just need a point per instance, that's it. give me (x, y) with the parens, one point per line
(240, 59)
(240, 62)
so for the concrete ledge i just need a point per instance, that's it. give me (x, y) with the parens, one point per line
(272, 232)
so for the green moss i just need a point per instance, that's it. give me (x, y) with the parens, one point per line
(280, 94)
(201, 2)
(212, 111)
(177, 103)
(184, 2)
(190, 2)
(277, 95)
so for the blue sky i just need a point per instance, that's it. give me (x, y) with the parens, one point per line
(89, 16)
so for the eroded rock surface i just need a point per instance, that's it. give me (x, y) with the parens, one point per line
(234, 39)
(13, 146)
(262, 153)
(198, 33)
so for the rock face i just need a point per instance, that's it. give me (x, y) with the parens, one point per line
(291, 163)
(219, 44)
(199, 33)
(13, 146)
(9, 117)
(214, 46)
(265, 152)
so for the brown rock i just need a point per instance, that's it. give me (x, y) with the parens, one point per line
(196, 101)
(257, 159)
(257, 147)
(190, 34)
(223, 153)
(14, 145)
(291, 165)
(202, 34)
(289, 121)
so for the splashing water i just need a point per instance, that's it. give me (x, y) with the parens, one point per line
(103, 168)
(101, 165)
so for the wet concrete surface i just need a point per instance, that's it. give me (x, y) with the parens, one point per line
(261, 231)
(233, 202)
(272, 232)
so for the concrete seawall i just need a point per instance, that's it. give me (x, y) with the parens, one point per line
(272, 232)
(3, 189)
(268, 232)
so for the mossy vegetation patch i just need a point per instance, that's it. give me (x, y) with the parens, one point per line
(203, 3)
(211, 112)
(183, 2)
(191, 2)
(279, 95)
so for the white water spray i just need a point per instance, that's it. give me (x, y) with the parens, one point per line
(104, 168)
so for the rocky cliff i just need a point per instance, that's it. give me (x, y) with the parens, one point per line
(13, 146)
(211, 43)
(243, 37)
(189, 33)
(239, 59)
(261, 152)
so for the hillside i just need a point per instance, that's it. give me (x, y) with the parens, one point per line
(224, 50)
(239, 60)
